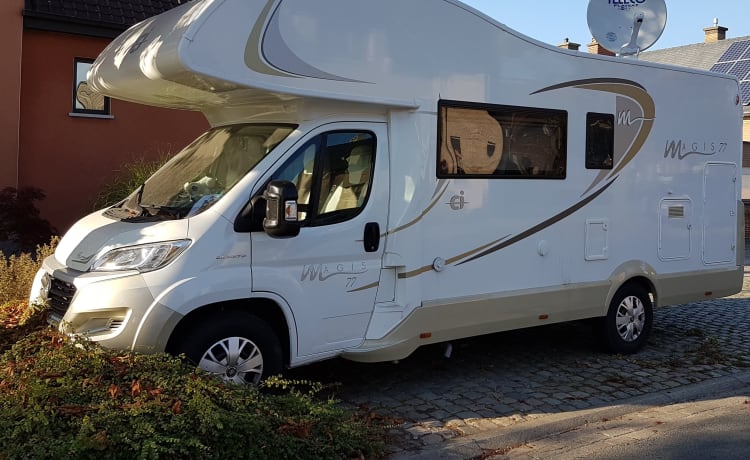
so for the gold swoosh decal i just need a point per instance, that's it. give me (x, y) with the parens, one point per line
(626, 88)
(265, 37)
(639, 95)
(366, 287)
(437, 196)
(439, 191)
(252, 49)
(500, 243)
(547, 223)
(452, 260)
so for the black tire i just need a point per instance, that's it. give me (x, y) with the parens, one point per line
(629, 320)
(253, 340)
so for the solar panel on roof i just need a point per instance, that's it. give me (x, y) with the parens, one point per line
(735, 51)
(736, 61)
(740, 69)
(745, 92)
(722, 67)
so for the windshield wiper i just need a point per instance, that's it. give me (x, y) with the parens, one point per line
(139, 195)
(164, 212)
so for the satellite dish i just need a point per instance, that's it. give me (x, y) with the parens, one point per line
(627, 27)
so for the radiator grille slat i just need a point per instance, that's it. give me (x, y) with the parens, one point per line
(60, 295)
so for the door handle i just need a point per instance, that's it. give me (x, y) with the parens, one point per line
(372, 237)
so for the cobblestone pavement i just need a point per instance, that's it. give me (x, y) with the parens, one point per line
(499, 380)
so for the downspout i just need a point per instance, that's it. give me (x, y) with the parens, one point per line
(18, 111)
(17, 10)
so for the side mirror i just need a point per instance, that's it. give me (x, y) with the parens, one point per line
(281, 219)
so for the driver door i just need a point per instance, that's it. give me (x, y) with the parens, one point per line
(329, 273)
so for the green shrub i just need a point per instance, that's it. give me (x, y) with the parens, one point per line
(76, 400)
(65, 399)
(17, 272)
(128, 178)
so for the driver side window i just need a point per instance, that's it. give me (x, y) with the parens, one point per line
(333, 174)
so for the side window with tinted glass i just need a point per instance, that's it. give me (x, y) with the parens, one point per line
(333, 174)
(501, 142)
(299, 170)
(600, 140)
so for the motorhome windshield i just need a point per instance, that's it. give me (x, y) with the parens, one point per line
(199, 175)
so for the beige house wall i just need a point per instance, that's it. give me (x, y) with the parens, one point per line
(11, 34)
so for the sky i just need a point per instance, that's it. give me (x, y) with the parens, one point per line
(551, 21)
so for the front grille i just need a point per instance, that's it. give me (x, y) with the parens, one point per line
(60, 295)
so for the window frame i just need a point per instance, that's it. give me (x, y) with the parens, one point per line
(588, 163)
(314, 218)
(504, 108)
(106, 112)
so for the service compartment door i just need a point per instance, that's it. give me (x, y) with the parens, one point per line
(675, 228)
(719, 213)
(329, 273)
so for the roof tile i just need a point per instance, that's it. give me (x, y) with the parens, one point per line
(700, 56)
(113, 12)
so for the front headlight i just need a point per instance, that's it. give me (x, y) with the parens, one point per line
(144, 257)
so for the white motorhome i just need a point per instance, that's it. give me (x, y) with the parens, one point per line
(382, 175)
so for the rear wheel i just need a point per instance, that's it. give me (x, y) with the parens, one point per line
(238, 348)
(629, 320)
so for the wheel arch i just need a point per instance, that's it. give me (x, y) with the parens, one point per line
(265, 308)
(634, 272)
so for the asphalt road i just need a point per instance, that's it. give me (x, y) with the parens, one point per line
(714, 427)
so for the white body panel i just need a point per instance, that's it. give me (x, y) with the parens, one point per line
(328, 263)
(458, 255)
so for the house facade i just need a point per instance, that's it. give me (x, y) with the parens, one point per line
(57, 135)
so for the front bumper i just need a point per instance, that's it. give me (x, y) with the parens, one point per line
(103, 307)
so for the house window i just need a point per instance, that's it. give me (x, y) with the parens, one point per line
(86, 101)
(600, 140)
(494, 141)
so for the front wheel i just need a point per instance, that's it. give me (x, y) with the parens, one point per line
(238, 348)
(629, 320)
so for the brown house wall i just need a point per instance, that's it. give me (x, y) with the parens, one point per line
(11, 27)
(71, 158)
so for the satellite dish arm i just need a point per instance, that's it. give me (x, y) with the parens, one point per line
(631, 47)
(627, 31)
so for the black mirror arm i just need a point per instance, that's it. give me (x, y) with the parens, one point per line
(250, 219)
